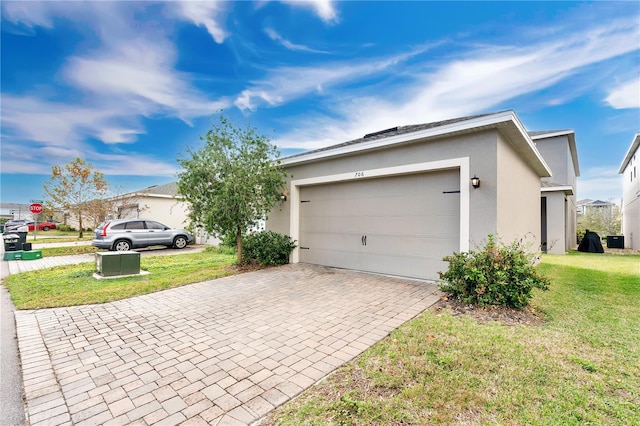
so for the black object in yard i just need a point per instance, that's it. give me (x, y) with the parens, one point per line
(591, 243)
(615, 241)
(26, 246)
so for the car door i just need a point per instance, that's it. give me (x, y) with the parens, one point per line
(135, 230)
(159, 234)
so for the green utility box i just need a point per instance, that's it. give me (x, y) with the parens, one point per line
(112, 264)
(32, 255)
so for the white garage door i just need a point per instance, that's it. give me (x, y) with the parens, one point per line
(401, 225)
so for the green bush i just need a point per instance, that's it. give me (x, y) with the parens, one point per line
(496, 274)
(63, 227)
(267, 248)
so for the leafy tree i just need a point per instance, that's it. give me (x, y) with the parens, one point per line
(601, 220)
(232, 181)
(74, 186)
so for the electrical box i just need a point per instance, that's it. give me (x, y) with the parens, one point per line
(615, 241)
(112, 264)
(129, 263)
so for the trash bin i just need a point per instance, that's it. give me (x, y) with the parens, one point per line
(615, 241)
(11, 242)
(22, 239)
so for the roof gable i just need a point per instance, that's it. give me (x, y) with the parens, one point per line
(570, 134)
(507, 122)
(633, 148)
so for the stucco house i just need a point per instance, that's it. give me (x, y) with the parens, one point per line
(631, 195)
(397, 201)
(558, 192)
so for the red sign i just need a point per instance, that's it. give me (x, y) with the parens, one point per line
(36, 208)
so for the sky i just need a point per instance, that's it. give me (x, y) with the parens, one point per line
(130, 86)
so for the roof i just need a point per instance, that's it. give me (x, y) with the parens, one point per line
(546, 134)
(635, 143)
(170, 188)
(552, 186)
(507, 122)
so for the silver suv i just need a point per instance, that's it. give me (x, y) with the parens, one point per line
(127, 234)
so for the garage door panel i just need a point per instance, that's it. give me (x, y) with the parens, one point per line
(410, 221)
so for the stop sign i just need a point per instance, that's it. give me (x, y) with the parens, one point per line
(36, 208)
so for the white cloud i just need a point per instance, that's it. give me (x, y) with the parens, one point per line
(600, 183)
(287, 83)
(625, 95)
(139, 75)
(323, 8)
(273, 35)
(474, 82)
(210, 14)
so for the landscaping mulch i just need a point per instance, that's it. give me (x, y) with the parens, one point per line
(528, 317)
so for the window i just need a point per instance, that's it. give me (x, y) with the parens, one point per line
(137, 224)
(155, 225)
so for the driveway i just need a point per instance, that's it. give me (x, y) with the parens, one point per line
(218, 352)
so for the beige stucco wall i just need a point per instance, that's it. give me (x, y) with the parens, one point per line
(507, 183)
(169, 211)
(631, 202)
(517, 198)
(556, 239)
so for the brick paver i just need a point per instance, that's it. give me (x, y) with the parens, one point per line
(227, 351)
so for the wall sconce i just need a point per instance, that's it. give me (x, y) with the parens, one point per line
(475, 181)
(283, 197)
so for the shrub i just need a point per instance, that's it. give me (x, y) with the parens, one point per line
(497, 274)
(63, 227)
(267, 248)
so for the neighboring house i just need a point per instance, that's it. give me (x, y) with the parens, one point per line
(587, 205)
(15, 211)
(558, 192)
(631, 195)
(397, 201)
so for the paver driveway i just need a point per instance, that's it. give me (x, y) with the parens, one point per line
(219, 352)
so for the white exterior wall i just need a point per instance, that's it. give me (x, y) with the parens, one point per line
(631, 200)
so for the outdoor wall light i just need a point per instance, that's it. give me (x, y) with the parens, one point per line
(475, 181)
(283, 197)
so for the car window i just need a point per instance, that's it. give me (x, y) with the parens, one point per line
(118, 226)
(155, 225)
(136, 224)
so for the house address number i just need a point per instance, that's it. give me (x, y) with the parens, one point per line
(359, 174)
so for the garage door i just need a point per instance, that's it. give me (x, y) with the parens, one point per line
(401, 225)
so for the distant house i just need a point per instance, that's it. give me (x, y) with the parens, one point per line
(587, 205)
(631, 195)
(558, 192)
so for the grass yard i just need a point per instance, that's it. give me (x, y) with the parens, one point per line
(581, 367)
(74, 284)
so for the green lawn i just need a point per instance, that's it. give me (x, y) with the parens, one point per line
(74, 284)
(581, 367)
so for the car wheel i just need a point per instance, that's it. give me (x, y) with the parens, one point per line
(45, 228)
(180, 242)
(122, 245)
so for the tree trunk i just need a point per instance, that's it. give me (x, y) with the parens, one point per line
(239, 245)
(80, 224)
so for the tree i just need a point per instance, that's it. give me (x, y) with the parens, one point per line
(232, 181)
(604, 221)
(74, 187)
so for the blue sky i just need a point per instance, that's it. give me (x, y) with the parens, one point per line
(128, 86)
